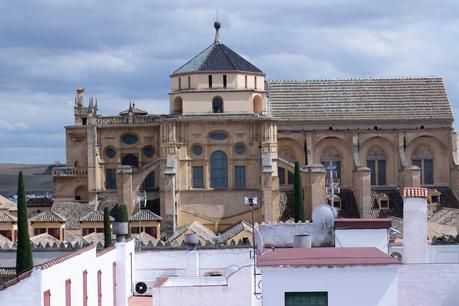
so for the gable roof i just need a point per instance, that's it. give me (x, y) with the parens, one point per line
(7, 218)
(145, 215)
(235, 229)
(404, 99)
(7, 204)
(94, 216)
(48, 216)
(195, 227)
(217, 57)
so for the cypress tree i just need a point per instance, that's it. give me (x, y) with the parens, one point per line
(24, 261)
(107, 229)
(123, 216)
(298, 208)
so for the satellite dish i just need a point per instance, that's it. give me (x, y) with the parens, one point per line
(324, 214)
(259, 244)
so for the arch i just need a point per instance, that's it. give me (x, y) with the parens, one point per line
(217, 105)
(177, 106)
(149, 183)
(423, 157)
(290, 150)
(338, 151)
(380, 154)
(376, 153)
(257, 105)
(130, 160)
(218, 170)
(81, 193)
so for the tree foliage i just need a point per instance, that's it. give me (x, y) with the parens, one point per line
(298, 197)
(24, 261)
(107, 229)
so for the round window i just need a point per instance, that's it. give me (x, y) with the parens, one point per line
(239, 149)
(129, 139)
(110, 152)
(148, 152)
(197, 150)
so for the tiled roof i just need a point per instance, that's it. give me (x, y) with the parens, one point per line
(7, 204)
(360, 100)
(40, 202)
(317, 257)
(241, 226)
(362, 223)
(145, 215)
(94, 216)
(73, 211)
(415, 192)
(94, 238)
(44, 239)
(197, 228)
(7, 218)
(217, 57)
(48, 216)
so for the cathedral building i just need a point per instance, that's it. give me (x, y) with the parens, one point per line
(231, 134)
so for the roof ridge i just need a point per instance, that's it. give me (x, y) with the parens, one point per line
(211, 45)
(358, 79)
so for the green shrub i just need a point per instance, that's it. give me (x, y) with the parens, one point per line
(24, 261)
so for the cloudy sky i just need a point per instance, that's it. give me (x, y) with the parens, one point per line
(125, 50)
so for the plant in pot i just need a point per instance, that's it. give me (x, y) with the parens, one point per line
(121, 224)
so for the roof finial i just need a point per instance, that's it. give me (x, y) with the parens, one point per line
(217, 26)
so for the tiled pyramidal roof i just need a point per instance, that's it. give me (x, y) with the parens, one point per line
(145, 215)
(94, 216)
(48, 216)
(7, 218)
(217, 57)
(361, 99)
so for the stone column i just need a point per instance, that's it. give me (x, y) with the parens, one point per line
(410, 177)
(361, 178)
(313, 181)
(124, 187)
(168, 197)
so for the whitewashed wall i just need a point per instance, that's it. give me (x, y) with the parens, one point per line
(378, 238)
(151, 264)
(428, 285)
(26, 292)
(435, 253)
(237, 291)
(346, 286)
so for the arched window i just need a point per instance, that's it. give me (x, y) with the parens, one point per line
(257, 105)
(331, 157)
(218, 170)
(376, 161)
(423, 158)
(130, 160)
(217, 105)
(81, 193)
(178, 106)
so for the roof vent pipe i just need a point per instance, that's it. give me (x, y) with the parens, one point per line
(302, 241)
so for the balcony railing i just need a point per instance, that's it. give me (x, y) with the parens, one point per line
(126, 120)
(67, 171)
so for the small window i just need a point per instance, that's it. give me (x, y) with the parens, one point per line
(306, 298)
(239, 149)
(189, 82)
(84, 121)
(219, 170)
(218, 136)
(129, 139)
(210, 81)
(245, 81)
(110, 179)
(148, 151)
(290, 178)
(197, 150)
(217, 105)
(110, 153)
(179, 83)
(281, 175)
(68, 292)
(224, 81)
(239, 176)
(255, 82)
(198, 177)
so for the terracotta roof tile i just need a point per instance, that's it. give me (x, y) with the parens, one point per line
(48, 216)
(415, 192)
(145, 215)
(405, 99)
(94, 216)
(317, 257)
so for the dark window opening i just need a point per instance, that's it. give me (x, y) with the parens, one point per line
(110, 179)
(375, 128)
(422, 127)
(84, 121)
(179, 83)
(130, 160)
(217, 105)
(281, 175)
(210, 81)
(239, 177)
(219, 169)
(255, 82)
(189, 82)
(149, 183)
(330, 128)
(245, 80)
(224, 81)
(290, 178)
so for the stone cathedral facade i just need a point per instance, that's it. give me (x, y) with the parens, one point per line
(231, 134)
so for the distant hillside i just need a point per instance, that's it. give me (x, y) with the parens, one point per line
(37, 178)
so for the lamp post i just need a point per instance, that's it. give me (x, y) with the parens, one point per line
(251, 202)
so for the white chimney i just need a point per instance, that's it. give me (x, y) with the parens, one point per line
(414, 225)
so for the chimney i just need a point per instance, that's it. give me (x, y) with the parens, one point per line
(414, 225)
(192, 256)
